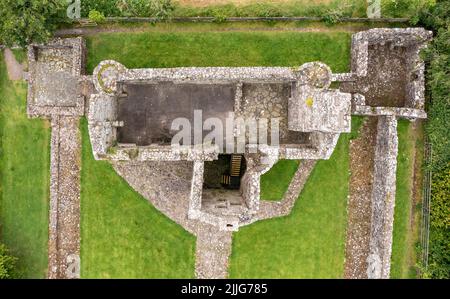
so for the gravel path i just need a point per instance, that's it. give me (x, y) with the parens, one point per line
(15, 69)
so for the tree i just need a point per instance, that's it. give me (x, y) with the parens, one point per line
(7, 263)
(26, 21)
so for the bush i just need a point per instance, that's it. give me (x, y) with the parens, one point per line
(219, 16)
(96, 16)
(7, 263)
(331, 18)
(161, 9)
(27, 21)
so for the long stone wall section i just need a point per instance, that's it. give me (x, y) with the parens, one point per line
(383, 198)
(64, 223)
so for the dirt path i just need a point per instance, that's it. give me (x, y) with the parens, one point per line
(212, 253)
(15, 69)
(362, 152)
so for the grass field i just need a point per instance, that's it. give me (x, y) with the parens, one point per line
(266, 8)
(275, 182)
(173, 49)
(24, 179)
(122, 234)
(278, 8)
(406, 217)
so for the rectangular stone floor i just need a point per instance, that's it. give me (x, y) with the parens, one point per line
(149, 108)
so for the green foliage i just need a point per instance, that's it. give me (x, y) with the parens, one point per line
(282, 9)
(332, 17)
(440, 208)
(437, 57)
(439, 254)
(395, 8)
(275, 182)
(27, 21)
(404, 8)
(96, 16)
(7, 263)
(219, 16)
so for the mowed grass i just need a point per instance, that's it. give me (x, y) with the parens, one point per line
(122, 234)
(275, 182)
(176, 49)
(24, 179)
(406, 220)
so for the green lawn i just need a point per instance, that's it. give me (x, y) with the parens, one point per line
(174, 49)
(406, 221)
(24, 179)
(310, 242)
(122, 235)
(275, 182)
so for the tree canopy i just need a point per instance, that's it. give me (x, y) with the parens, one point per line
(7, 263)
(26, 21)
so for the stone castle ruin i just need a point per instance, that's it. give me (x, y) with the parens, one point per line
(210, 193)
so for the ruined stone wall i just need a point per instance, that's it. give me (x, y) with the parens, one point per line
(413, 40)
(383, 198)
(360, 54)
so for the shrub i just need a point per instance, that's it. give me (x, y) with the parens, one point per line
(219, 16)
(331, 18)
(7, 263)
(96, 16)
